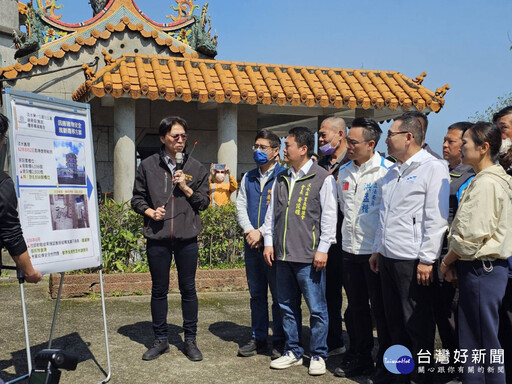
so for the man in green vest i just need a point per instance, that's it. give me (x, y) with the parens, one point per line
(299, 228)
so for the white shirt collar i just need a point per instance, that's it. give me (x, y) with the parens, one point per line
(269, 171)
(303, 171)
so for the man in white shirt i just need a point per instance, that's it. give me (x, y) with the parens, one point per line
(412, 222)
(359, 196)
(332, 142)
(299, 228)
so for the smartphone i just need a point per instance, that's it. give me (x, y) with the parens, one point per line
(219, 167)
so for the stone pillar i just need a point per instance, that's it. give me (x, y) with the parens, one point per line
(227, 138)
(124, 149)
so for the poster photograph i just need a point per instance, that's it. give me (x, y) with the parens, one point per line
(53, 169)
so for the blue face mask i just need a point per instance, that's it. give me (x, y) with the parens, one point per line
(260, 157)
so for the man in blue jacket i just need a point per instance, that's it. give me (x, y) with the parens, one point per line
(252, 202)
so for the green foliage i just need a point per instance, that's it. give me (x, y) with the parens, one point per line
(124, 247)
(122, 242)
(502, 102)
(221, 241)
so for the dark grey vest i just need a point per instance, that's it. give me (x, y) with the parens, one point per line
(458, 182)
(297, 215)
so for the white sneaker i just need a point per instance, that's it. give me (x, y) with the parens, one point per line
(316, 366)
(337, 351)
(286, 361)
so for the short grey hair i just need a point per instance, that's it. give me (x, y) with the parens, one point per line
(337, 124)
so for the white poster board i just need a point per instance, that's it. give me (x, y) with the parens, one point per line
(52, 166)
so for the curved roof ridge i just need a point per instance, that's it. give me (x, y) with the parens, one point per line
(206, 80)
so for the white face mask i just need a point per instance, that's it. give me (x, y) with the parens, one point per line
(505, 146)
(219, 177)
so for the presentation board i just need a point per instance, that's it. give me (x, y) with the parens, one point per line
(52, 166)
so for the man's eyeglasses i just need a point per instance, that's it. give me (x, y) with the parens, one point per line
(255, 147)
(391, 134)
(177, 136)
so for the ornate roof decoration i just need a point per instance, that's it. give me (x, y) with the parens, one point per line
(45, 29)
(187, 79)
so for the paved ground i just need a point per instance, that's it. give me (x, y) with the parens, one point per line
(224, 324)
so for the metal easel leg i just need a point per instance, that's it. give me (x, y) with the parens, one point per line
(106, 379)
(27, 341)
(54, 320)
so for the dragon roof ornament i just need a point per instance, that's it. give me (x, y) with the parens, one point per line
(44, 25)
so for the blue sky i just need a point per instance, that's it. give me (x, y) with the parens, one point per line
(463, 43)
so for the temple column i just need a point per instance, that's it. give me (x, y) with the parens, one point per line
(227, 137)
(124, 149)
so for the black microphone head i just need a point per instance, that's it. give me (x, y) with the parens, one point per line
(179, 161)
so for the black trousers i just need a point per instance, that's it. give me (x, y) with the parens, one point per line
(505, 329)
(407, 306)
(160, 255)
(364, 296)
(444, 304)
(334, 297)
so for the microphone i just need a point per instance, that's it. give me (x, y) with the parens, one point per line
(179, 161)
(194, 147)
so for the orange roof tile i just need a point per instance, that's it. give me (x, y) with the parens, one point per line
(211, 80)
(97, 31)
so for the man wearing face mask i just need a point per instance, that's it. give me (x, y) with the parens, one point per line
(333, 145)
(252, 202)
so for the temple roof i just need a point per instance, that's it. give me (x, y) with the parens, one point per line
(49, 38)
(187, 79)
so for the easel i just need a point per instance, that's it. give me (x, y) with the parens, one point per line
(66, 122)
(59, 294)
(21, 280)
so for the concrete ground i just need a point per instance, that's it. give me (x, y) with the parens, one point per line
(224, 324)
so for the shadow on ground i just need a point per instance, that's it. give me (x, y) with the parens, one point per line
(70, 343)
(142, 333)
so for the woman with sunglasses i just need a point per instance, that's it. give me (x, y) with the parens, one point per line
(480, 241)
(170, 189)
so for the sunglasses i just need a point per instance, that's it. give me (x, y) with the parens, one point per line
(183, 136)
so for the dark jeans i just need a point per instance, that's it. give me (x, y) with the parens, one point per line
(480, 295)
(407, 306)
(160, 255)
(505, 330)
(296, 279)
(261, 277)
(363, 288)
(334, 296)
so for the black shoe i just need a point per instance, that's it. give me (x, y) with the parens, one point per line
(191, 351)
(277, 349)
(382, 376)
(253, 347)
(159, 347)
(347, 358)
(355, 367)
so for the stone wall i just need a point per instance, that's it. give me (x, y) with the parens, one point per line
(218, 280)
